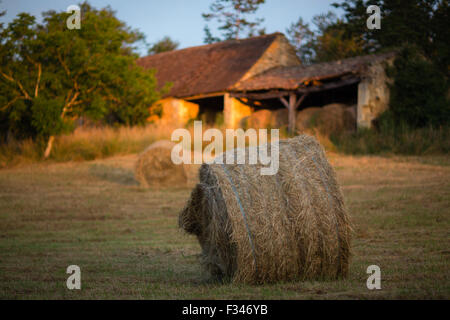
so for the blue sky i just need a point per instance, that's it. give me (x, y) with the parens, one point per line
(179, 19)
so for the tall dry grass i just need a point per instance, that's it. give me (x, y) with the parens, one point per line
(98, 143)
(85, 144)
(95, 143)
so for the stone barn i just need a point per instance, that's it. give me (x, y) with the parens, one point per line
(227, 81)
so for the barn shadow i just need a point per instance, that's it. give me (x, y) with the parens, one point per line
(113, 174)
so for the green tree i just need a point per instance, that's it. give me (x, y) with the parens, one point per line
(419, 31)
(232, 17)
(327, 42)
(302, 38)
(422, 23)
(332, 42)
(51, 75)
(418, 93)
(163, 45)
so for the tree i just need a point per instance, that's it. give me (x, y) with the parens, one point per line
(301, 37)
(51, 75)
(327, 42)
(423, 23)
(232, 18)
(163, 45)
(418, 91)
(332, 42)
(419, 31)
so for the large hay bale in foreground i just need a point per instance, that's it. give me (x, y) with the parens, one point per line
(154, 167)
(288, 226)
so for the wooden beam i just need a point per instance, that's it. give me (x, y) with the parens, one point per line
(272, 94)
(291, 115)
(299, 101)
(203, 96)
(329, 86)
(283, 100)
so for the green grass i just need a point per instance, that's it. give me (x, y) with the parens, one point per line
(126, 240)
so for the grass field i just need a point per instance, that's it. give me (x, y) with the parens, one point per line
(126, 240)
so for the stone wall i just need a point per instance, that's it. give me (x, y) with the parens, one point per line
(279, 54)
(176, 112)
(234, 111)
(373, 94)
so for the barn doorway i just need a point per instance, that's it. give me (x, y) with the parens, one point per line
(210, 110)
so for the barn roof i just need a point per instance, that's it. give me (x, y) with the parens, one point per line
(291, 78)
(209, 68)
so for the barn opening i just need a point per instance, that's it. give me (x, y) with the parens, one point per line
(210, 109)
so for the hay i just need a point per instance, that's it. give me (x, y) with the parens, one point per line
(258, 229)
(336, 118)
(257, 120)
(154, 167)
(280, 118)
(266, 119)
(306, 119)
(330, 119)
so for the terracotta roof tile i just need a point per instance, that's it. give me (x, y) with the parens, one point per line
(208, 68)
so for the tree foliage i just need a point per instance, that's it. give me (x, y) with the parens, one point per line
(301, 37)
(417, 29)
(423, 23)
(326, 41)
(163, 45)
(418, 93)
(232, 17)
(51, 75)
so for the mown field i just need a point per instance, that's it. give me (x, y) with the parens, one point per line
(126, 240)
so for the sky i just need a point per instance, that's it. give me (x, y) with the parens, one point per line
(179, 19)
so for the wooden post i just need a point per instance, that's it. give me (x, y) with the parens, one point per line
(291, 109)
(292, 106)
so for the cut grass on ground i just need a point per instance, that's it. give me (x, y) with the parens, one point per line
(126, 241)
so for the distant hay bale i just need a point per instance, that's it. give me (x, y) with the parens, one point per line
(329, 119)
(306, 118)
(280, 118)
(265, 118)
(336, 118)
(257, 229)
(154, 167)
(258, 120)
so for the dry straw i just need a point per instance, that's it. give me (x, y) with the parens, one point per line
(155, 168)
(330, 119)
(259, 229)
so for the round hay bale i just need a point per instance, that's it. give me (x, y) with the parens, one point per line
(280, 118)
(266, 118)
(154, 167)
(259, 119)
(258, 229)
(336, 118)
(329, 119)
(306, 119)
